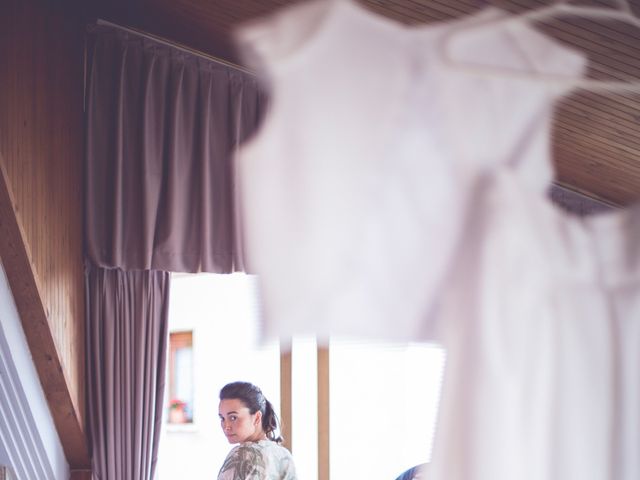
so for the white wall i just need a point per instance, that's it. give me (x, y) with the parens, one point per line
(29, 442)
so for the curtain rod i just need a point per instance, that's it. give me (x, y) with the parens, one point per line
(590, 197)
(169, 43)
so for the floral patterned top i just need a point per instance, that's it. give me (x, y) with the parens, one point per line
(263, 460)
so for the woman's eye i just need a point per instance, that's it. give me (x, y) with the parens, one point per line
(233, 418)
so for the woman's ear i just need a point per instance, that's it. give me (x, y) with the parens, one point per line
(258, 419)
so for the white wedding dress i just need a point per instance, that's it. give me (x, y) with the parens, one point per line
(540, 323)
(353, 191)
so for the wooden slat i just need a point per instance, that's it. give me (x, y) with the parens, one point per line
(598, 175)
(599, 172)
(412, 13)
(598, 133)
(323, 414)
(623, 109)
(596, 152)
(592, 178)
(611, 110)
(80, 475)
(286, 395)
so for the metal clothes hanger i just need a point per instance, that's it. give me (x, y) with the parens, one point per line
(560, 9)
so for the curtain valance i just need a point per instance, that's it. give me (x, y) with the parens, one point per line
(162, 127)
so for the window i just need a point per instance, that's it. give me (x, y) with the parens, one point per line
(357, 410)
(383, 402)
(220, 313)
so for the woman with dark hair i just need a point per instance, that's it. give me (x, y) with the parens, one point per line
(249, 421)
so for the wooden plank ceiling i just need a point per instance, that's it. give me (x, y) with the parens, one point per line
(596, 137)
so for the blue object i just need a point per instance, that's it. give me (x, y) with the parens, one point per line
(408, 474)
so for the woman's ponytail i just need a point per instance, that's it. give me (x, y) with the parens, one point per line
(270, 422)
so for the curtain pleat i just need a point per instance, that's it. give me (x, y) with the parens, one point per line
(126, 334)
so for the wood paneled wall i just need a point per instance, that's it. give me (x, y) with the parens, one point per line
(41, 145)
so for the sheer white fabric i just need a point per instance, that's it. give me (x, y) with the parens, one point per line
(354, 192)
(540, 324)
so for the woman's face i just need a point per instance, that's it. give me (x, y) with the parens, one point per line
(237, 422)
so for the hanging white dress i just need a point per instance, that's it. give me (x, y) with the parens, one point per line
(353, 193)
(540, 321)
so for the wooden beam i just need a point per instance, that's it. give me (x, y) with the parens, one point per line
(323, 413)
(23, 280)
(80, 475)
(286, 395)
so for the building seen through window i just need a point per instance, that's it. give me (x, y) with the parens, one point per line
(180, 377)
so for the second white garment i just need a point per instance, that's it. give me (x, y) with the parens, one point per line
(541, 324)
(352, 193)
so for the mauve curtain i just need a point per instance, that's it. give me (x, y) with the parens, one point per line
(162, 127)
(126, 336)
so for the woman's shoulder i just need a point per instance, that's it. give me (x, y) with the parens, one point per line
(269, 445)
(261, 460)
(262, 447)
(248, 450)
(245, 459)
